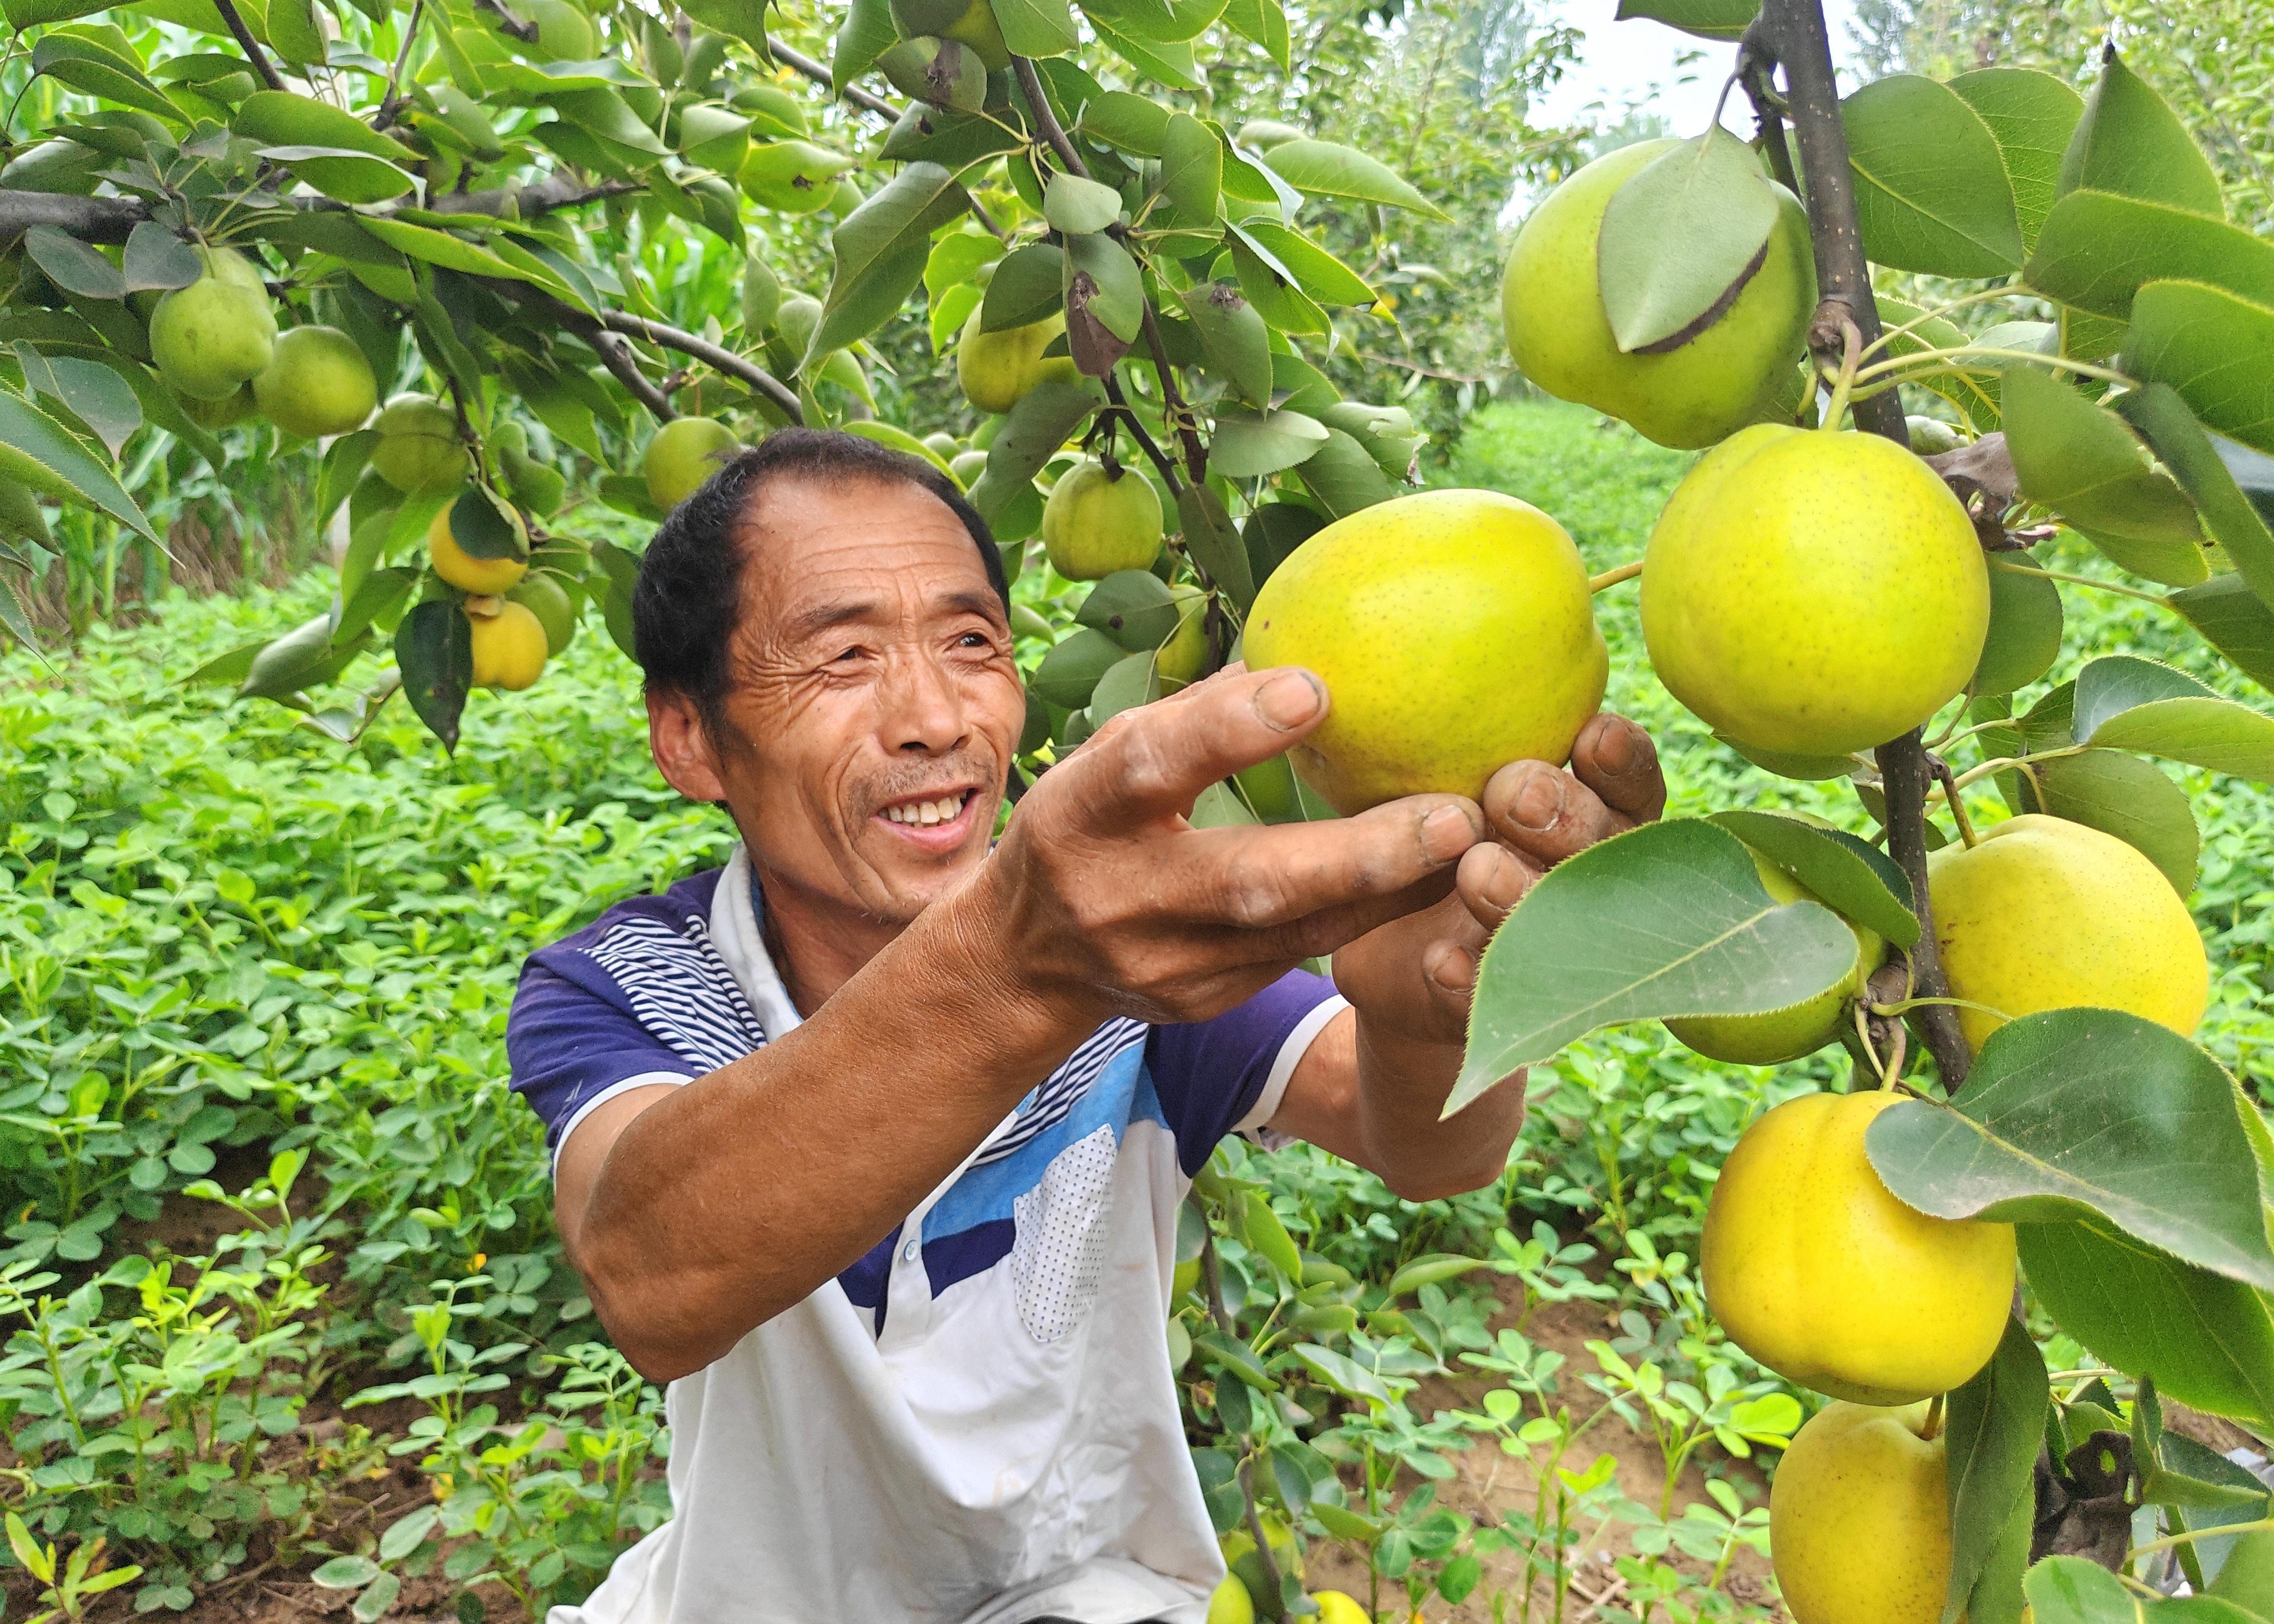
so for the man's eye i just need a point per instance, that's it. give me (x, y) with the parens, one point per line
(852, 653)
(976, 639)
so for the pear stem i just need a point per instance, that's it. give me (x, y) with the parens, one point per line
(1844, 385)
(1612, 577)
(1933, 1428)
(1925, 316)
(1950, 787)
(1911, 361)
(2157, 598)
(2216, 1531)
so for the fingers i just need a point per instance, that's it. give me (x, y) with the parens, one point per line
(1544, 814)
(1153, 762)
(1617, 759)
(1491, 880)
(1265, 877)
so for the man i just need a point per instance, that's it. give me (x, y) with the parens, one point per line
(872, 1142)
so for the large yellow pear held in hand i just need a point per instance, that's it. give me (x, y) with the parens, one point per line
(1782, 1035)
(998, 370)
(1815, 1268)
(1811, 593)
(317, 382)
(1454, 633)
(1691, 396)
(1859, 1518)
(1097, 522)
(2046, 914)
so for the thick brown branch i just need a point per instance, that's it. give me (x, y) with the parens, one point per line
(798, 62)
(91, 220)
(250, 46)
(524, 202)
(1160, 459)
(717, 355)
(618, 357)
(1046, 120)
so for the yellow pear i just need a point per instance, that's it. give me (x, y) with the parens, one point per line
(1691, 395)
(684, 453)
(317, 382)
(1818, 1270)
(1230, 1603)
(1097, 522)
(1859, 1518)
(509, 646)
(419, 445)
(1782, 1035)
(1184, 658)
(1340, 1607)
(1454, 633)
(482, 576)
(2045, 914)
(998, 370)
(1813, 593)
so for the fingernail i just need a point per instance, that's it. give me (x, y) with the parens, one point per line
(1289, 700)
(1540, 802)
(1616, 752)
(1447, 832)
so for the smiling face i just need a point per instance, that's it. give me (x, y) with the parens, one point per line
(872, 712)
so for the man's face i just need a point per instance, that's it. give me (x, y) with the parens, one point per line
(874, 706)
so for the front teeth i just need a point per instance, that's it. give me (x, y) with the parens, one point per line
(927, 812)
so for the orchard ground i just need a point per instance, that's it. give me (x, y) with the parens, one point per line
(258, 943)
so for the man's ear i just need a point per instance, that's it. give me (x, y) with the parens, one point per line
(682, 748)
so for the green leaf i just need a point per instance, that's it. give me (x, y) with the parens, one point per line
(290, 662)
(435, 648)
(1995, 1426)
(1272, 291)
(1342, 1373)
(2031, 116)
(1161, 22)
(1105, 287)
(1261, 22)
(2119, 794)
(73, 266)
(2068, 1589)
(280, 118)
(1343, 477)
(2234, 619)
(2025, 631)
(1250, 446)
(1430, 1269)
(157, 260)
(90, 391)
(1191, 171)
(1296, 258)
(865, 35)
(2168, 1159)
(1852, 878)
(1171, 63)
(452, 253)
(1236, 1356)
(2129, 141)
(1669, 919)
(1130, 681)
(880, 249)
(2209, 1341)
(1707, 194)
(1031, 434)
(1215, 544)
(1931, 189)
(1127, 123)
(2097, 249)
(83, 64)
(602, 111)
(1074, 205)
(1134, 607)
(1708, 19)
(742, 20)
(1028, 285)
(2084, 461)
(2204, 469)
(2215, 350)
(39, 452)
(344, 175)
(1268, 1236)
(1330, 169)
(1234, 338)
(1037, 28)
(1069, 672)
(2126, 702)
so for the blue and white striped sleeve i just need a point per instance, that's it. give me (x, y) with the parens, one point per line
(1227, 1075)
(571, 1046)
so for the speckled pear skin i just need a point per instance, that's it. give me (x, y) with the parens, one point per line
(1455, 633)
(1814, 1268)
(1813, 593)
(1728, 376)
(1859, 1518)
(2047, 914)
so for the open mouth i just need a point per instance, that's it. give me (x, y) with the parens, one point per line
(939, 820)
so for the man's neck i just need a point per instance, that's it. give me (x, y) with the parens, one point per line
(816, 942)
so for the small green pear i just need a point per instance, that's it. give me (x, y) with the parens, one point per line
(210, 338)
(1096, 521)
(316, 383)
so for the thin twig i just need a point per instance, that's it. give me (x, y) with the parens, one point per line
(717, 355)
(393, 102)
(1159, 458)
(798, 62)
(512, 22)
(1046, 120)
(1173, 410)
(250, 46)
(1950, 796)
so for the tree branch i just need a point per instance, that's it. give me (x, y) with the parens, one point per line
(91, 220)
(798, 62)
(1046, 120)
(543, 197)
(1794, 31)
(394, 100)
(518, 27)
(1174, 411)
(250, 46)
(1146, 443)
(617, 355)
(716, 356)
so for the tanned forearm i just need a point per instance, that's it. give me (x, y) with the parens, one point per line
(738, 1195)
(1374, 1098)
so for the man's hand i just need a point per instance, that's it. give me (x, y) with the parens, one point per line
(1118, 905)
(1371, 1088)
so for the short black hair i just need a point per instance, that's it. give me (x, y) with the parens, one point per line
(688, 599)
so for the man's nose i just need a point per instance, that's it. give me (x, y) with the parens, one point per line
(923, 708)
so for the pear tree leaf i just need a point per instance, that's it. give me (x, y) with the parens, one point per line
(281, 118)
(2119, 794)
(1134, 607)
(1850, 877)
(73, 266)
(1252, 445)
(2083, 461)
(2168, 1159)
(880, 249)
(1130, 681)
(2130, 142)
(2216, 350)
(2204, 468)
(1995, 1426)
(2025, 631)
(2234, 619)
(1127, 123)
(1171, 63)
(1035, 28)
(865, 35)
(1215, 543)
(39, 452)
(434, 649)
(1031, 435)
(1931, 189)
(1343, 475)
(2097, 250)
(1708, 19)
(343, 174)
(1028, 286)
(1191, 171)
(2031, 114)
(1075, 205)
(93, 392)
(2126, 702)
(157, 260)
(1709, 195)
(1299, 259)
(1669, 919)
(2068, 1589)
(1261, 22)
(1330, 169)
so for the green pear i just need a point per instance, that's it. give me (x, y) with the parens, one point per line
(419, 445)
(792, 177)
(564, 33)
(684, 453)
(1096, 521)
(211, 337)
(317, 382)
